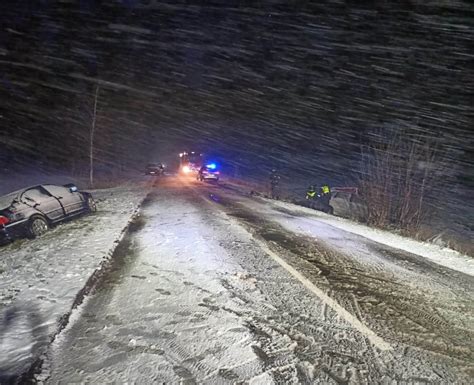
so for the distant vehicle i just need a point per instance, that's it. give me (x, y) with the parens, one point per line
(208, 172)
(154, 169)
(190, 162)
(31, 211)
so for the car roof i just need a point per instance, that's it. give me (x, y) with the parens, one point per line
(50, 184)
(7, 199)
(34, 186)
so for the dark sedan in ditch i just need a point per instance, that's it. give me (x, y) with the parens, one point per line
(31, 211)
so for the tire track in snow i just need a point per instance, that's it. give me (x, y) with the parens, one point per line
(277, 365)
(395, 310)
(377, 341)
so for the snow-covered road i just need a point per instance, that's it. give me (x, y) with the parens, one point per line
(213, 286)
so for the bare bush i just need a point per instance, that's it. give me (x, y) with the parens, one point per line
(398, 168)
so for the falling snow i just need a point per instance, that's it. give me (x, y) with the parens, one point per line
(371, 95)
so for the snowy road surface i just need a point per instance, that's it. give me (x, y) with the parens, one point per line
(212, 286)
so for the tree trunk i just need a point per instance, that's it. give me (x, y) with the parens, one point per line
(91, 147)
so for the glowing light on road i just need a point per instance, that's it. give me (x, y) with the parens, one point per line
(186, 169)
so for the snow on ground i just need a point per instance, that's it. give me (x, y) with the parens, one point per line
(348, 253)
(443, 256)
(184, 308)
(199, 299)
(39, 278)
(196, 297)
(169, 308)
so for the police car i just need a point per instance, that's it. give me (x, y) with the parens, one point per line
(208, 172)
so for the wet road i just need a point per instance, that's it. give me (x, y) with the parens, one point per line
(213, 286)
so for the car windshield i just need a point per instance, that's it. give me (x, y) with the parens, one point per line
(6, 200)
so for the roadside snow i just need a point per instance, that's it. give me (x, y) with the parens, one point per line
(39, 279)
(443, 256)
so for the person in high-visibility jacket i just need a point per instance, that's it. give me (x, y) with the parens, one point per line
(311, 192)
(311, 195)
(325, 189)
(324, 195)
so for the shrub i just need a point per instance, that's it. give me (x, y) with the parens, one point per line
(398, 169)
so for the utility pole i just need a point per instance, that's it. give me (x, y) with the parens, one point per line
(91, 147)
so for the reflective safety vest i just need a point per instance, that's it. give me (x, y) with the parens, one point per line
(325, 189)
(310, 194)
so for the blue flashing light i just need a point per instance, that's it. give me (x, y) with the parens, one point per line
(211, 166)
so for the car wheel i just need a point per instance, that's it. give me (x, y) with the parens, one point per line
(91, 205)
(37, 226)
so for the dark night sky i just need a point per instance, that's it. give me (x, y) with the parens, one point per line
(295, 86)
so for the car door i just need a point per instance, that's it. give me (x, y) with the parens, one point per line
(72, 202)
(42, 201)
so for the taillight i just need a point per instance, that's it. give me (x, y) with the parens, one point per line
(3, 220)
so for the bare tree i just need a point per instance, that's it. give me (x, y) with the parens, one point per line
(91, 143)
(398, 168)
